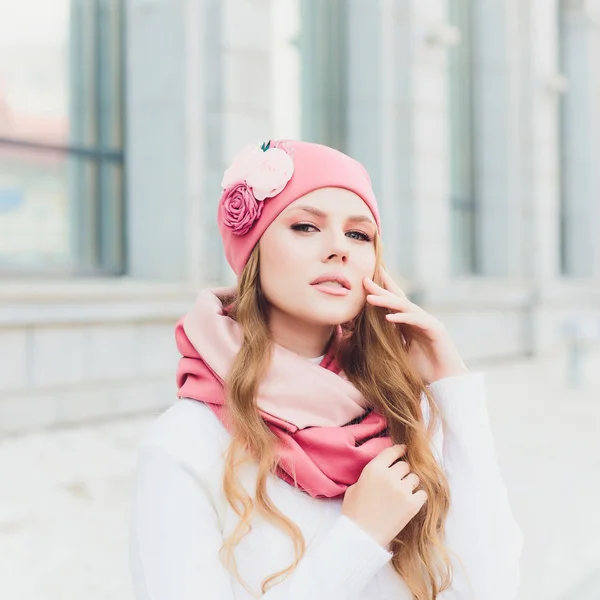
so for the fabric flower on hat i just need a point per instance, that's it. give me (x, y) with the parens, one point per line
(270, 173)
(241, 165)
(240, 210)
(255, 174)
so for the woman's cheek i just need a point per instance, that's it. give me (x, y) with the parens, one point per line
(366, 261)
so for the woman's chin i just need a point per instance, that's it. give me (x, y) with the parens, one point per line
(333, 315)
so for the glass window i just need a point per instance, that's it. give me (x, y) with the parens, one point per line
(564, 212)
(462, 192)
(286, 73)
(576, 128)
(61, 137)
(309, 70)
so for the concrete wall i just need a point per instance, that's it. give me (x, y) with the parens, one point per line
(92, 351)
(200, 85)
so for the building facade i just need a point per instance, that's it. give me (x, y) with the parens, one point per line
(479, 123)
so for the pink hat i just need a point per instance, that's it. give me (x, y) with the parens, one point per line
(263, 180)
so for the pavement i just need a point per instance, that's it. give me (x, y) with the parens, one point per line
(64, 498)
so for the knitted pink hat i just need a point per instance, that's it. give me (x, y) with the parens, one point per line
(263, 180)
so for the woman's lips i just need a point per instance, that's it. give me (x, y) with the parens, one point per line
(333, 289)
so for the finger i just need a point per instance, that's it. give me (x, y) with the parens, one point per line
(395, 288)
(415, 319)
(374, 287)
(390, 301)
(413, 480)
(430, 326)
(389, 455)
(390, 284)
(397, 301)
(420, 497)
(401, 468)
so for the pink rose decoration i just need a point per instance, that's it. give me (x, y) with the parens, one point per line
(241, 165)
(240, 208)
(269, 173)
(255, 174)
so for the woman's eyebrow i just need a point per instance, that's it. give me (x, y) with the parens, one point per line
(361, 219)
(319, 213)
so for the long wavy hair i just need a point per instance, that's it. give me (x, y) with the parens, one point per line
(374, 357)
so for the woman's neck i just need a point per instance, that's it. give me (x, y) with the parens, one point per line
(305, 339)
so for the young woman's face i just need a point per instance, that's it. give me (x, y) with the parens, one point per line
(327, 236)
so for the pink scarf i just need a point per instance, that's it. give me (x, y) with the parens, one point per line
(308, 406)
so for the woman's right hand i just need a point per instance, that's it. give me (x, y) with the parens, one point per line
(383, 500)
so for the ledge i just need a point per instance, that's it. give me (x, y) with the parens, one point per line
(488, 293)
(121, 300)
(113, 288)
(91, 301)
(471, 293)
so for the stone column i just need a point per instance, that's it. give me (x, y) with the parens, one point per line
(541, 84)
(581, 139)
(397, 126)
(244, 108)
(497, 135)
(156, 140)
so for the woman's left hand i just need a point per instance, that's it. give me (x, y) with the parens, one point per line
(431, 350)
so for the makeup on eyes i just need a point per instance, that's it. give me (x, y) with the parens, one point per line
(367, 222)
(323, 215)
(364, 236)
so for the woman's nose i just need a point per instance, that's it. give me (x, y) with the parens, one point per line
(337, 247)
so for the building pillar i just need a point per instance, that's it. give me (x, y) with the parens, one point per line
(156, 139)
(541, 84)
(245, 106)
(397, 126)
(580, 49)
(497, 135)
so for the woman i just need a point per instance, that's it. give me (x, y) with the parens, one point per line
(306, 457)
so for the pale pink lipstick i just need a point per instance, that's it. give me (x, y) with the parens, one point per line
(334, 284)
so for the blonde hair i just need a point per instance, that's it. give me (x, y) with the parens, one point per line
(375, 359)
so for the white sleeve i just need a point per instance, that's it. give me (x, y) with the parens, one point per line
(175, 539)
(480, 527)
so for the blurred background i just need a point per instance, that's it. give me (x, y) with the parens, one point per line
(479, 122)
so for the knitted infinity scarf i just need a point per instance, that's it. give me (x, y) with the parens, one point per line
(312, 408)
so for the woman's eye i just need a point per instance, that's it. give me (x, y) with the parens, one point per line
(308, 228)
(303, 227)
(359, 236)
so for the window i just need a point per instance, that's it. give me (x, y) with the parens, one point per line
(286, 73)
(462, 189)
(577, 137)
(61, 137)
(309, 70)
(564, 213)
